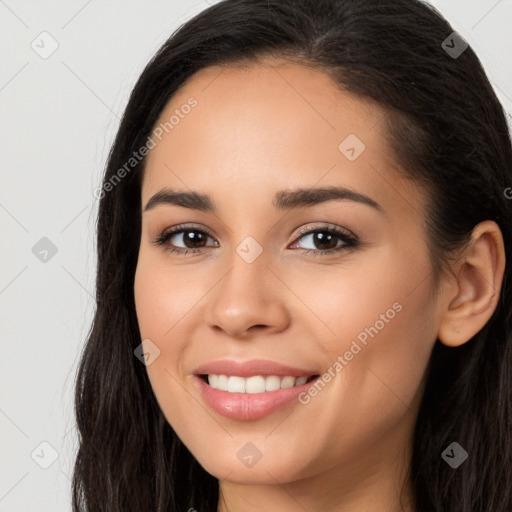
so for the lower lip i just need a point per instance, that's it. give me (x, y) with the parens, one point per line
(249, 406)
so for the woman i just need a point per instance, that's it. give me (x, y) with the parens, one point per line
(303, 297)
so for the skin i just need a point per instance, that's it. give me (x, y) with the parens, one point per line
(257, 130)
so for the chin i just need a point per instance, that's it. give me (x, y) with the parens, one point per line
(264, 471)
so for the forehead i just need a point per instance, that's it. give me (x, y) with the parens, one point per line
(275, 124)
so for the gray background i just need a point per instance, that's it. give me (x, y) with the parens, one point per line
(58, 119)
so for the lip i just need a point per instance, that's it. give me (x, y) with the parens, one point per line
(250, 406)
(251, 368)
(247, 406)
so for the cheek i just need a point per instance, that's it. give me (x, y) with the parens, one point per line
(383, 326)
(384, 334)
(389, 293)
(163, 296)
(164, 300)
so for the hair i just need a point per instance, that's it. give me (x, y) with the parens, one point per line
(448, 133)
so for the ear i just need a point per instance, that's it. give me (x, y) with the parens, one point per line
(473, 295)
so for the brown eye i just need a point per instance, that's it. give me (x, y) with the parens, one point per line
(193, 239)
(325, 240)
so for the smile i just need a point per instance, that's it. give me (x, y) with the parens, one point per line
(254, 384)
(251, 389)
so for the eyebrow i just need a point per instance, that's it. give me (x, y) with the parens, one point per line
(283, 199)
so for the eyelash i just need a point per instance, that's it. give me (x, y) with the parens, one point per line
(350, 241)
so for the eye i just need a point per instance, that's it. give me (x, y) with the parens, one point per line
(188, 234)
(326, 237)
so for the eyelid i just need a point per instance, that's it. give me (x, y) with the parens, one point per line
(325, 225)
(349, 239)
(305, 229)
(179, 228)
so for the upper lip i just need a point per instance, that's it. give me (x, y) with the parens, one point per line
(251, 368)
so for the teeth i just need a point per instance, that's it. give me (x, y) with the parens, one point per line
(272, 383)
(255, 384)
(300, 381)
(236, 384)
(288, 382)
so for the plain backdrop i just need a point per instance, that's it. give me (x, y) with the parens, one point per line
(58, 116)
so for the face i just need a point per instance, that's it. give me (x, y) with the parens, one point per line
(275, 288)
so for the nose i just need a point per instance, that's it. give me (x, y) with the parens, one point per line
(248, 300)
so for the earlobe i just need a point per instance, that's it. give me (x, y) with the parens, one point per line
(479, 275)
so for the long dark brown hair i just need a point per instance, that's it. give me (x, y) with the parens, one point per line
(448, 132)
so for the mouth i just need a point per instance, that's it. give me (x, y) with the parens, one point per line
(250, 389)
(255, 384)
(253, 397)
